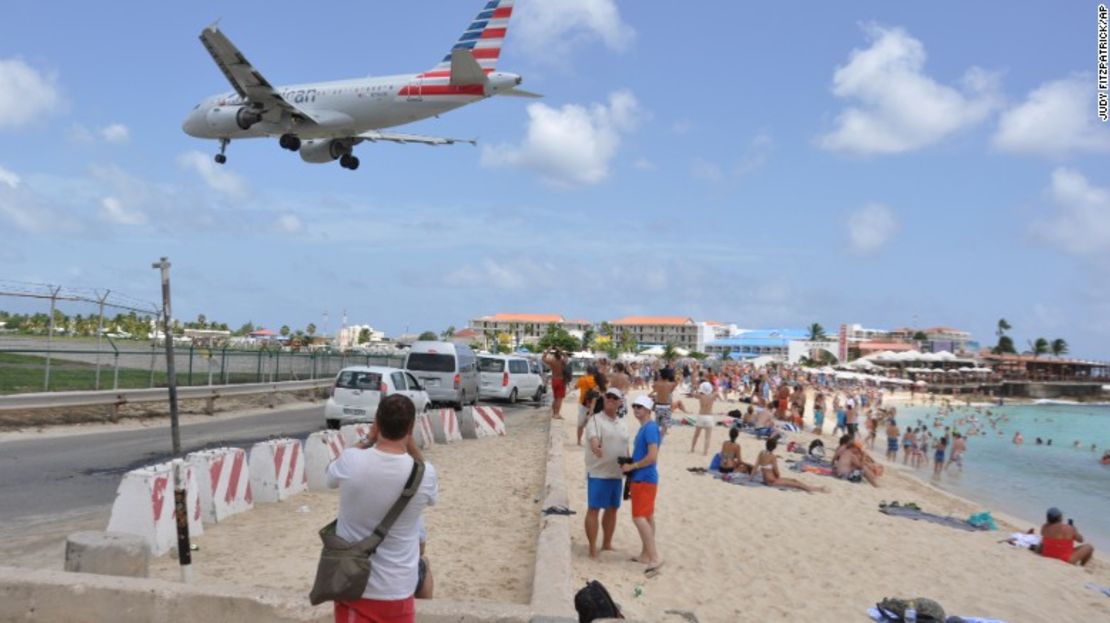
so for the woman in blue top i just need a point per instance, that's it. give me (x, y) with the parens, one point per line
(645, 482)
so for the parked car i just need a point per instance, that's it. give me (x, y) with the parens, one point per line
(447, 371)
(359, 389)
(508, 377)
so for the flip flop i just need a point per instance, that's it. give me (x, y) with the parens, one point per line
(558, 510)
(652, 572)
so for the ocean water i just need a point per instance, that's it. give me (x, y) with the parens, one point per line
(1024, 481)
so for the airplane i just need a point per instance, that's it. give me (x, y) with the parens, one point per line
(325, 120)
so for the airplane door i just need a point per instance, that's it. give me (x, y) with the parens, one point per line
(416, 90)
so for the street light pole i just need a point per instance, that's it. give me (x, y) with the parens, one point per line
(171, 375)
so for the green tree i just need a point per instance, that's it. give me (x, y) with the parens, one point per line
(1039, 347)
(1003, 327)
(285, 330)
(626, 342)
(1005, 346)
(246, 329)
(364, 336)
(606, 329)
(669, 352)
(920, 336)
(817, 333)
(1059, 347)
(448, 333)
(428, 336)
(310, 329)
(202, 321)
(587, 338)
(700, 356)
(557, 337)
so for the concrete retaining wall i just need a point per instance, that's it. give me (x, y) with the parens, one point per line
(552, 593)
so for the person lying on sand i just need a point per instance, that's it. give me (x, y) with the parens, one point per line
(767, 467)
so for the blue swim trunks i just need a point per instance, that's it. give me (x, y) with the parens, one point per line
(818, 418)
(892, 444)
(842, 419)
(604, 492)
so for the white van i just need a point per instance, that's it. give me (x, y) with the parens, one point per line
(447, 371)
(508, 377)
(359, 389)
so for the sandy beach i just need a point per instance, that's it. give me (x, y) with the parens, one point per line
(735, 553)
(482, 532)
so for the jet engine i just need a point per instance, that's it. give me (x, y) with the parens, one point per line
(232, 118)
(324, 150)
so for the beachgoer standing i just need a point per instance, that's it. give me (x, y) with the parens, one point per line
(1058, 540)
(606, 441)
(841, 416)
(555, 359)
(892, 440)
(587, 394)
(645, 481)
(619, 378)
(938, 456)
(706, 421)
(370, 480)
(819, 413)
(959, 446)
(662, 393)
(851, 418)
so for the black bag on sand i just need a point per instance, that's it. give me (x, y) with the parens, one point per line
(928, 611)
(344, 567)
(593, 602)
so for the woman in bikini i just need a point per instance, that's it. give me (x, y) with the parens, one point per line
(767, 466)
(730, 456)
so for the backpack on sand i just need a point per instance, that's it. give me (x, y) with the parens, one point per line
(593, 602)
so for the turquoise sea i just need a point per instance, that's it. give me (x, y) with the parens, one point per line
(1023, 481)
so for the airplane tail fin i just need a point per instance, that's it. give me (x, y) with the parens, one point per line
(484, 36)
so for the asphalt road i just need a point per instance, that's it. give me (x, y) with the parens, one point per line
(56, 475)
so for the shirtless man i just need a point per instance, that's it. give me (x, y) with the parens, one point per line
(892, 440)
(959, 446)
(556, 360)
(706, 420)
(662, 392)
(848, 463)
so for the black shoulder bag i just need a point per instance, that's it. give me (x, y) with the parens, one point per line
(344, 567)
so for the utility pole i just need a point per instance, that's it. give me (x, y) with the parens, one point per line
(171, 375)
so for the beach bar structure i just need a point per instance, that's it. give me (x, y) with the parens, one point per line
(1048, 377)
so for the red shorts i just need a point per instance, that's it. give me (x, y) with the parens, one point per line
(376, 611)
(558, 388)
(643, 499)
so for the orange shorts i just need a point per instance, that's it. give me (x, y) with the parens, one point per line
(643, 499)
(375, 611)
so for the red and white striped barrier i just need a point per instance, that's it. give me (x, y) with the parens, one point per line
(277, 470)
(144, 506)
(445, 425)
(224, 482)
(353, 433)
(320, 449)
(422, 433)
(477, 422)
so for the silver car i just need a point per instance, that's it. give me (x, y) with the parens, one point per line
(508, 377)
(447, 371)
(359, 389)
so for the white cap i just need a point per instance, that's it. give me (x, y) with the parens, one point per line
(615, 392)
(645, 402)
(706, 387)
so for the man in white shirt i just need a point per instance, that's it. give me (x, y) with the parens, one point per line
(606, 439)
(370, 481)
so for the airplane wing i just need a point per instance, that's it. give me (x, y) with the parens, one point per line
(377, 135)
(244, 78)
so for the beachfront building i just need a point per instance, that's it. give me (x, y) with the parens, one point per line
(937, 339)
(1047, 369)
(749, 344)
(680, 331)
(526, 328)
(710, 331)
(348, 337)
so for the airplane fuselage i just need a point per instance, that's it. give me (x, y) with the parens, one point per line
(344, 108)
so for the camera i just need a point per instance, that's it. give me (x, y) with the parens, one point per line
(624, 460)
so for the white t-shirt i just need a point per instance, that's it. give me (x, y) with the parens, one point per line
(614, 443)
(369, 482)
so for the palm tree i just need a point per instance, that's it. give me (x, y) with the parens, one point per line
(1059, 347)
(669, 353)
(1039, 347)
(310, 329)
(587, 338)
(1003, 327)
(817, 333)
(920, 336)
(284, 330)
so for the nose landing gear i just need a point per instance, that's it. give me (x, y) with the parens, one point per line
(220, 157)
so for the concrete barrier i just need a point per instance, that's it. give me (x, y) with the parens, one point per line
(445, 425)
(477, 422)
(552, 591)
(352, 433)
(108, 553)
(277, 470)
(422, 432)
(223, 478)
(320, 449)
(144, 506)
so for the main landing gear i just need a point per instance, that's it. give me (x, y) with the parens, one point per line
(220, 157)
(347, 161)
(290, 141)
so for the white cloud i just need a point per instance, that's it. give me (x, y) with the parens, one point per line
(871, 227)
(289, 224)
(1081, 222)
(1056, 118)
(115, 133)
(573, 145)
(548, 31)
(215, 176)
(9, 178)
(25, 94)
(113, 211)
(898, 107)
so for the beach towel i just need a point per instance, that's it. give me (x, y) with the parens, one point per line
(877, 616)
(1024, 540)
(715, 464)
(787, 426)
(1105, 590)
(744, 480)
(913, 513)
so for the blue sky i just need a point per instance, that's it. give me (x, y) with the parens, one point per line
(760, 163)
